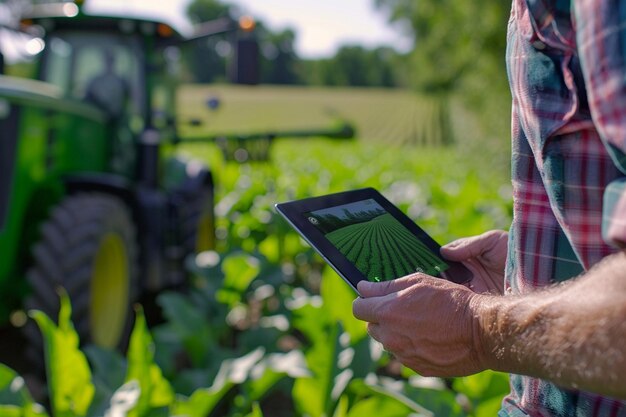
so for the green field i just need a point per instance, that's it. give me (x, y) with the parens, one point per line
(397, 117)
(382, 249)
(265, 327)
(451, 191)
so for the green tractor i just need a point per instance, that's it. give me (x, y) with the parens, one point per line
(93, 197)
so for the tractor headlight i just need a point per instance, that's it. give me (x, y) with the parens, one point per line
(35, 46)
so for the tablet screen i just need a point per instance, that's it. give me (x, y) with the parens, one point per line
(363, 236)
(378, 245)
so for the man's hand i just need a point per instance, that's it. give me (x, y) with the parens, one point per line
(572, 334)
(485, 256)
(427, 323)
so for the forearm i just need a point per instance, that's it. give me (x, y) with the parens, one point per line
(573, 334)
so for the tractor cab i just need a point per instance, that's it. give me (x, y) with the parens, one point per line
(122, 67)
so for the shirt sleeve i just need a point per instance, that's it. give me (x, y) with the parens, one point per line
(601, 43)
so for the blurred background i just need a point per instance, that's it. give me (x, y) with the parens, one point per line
(254, 103)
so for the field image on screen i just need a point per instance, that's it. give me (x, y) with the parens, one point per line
(374, 241)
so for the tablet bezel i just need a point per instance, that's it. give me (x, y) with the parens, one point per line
(295, 212)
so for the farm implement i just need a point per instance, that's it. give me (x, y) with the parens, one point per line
(256, 146)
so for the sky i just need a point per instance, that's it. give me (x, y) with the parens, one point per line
(321, 25)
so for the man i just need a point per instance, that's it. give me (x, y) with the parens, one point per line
(548, 301)
(108, 90)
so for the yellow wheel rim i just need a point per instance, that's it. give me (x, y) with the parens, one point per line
(109, 292)
(205, 235)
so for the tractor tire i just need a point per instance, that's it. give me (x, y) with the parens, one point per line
(88, 247)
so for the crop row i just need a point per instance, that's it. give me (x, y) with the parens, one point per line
(383, 248)
(409, 246)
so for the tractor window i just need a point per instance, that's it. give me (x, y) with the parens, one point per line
(76, 59)
(103, 78)
(93, 62)
(163, 96)
(59, 63)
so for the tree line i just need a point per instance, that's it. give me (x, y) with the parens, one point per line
(352, 65)
(329, 222)
(455, 44)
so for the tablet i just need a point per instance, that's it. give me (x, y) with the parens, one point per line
(363, 236)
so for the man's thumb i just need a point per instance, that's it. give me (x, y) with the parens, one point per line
(462, 249)
(379, 289)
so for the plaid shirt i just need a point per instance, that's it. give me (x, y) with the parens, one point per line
(567, 69)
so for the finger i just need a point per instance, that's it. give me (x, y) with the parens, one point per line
(471, 247)
(369, 289)
(374, 330)
(462, 249)
(454, 243)
(367, 309)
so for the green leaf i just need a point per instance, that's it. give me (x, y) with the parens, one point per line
(204, 400)
(257, 388)
(15, 397)
(488, 408)
(314, 395)
(338, 297)
(124, 399)
(239, 271)
(200, 403)
(11, 411)
(318, 395)
(190, 324)
(155, 390)
(272, 369)
(108, 366)
(109, 370)
(430, 399)
(35, 410)
(379, 406)
(69, 376)
(7, 375)
(313, 322)
(342, 407)
(12, 388)
(441, 402)
(366, 359)
(484, 385)
(270, 248)
(485, 390)
(256, 411)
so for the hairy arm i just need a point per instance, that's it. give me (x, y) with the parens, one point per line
(573, 334)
